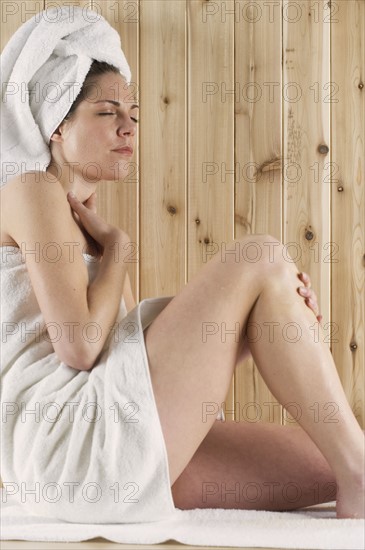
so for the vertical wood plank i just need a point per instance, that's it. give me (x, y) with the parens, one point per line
(69, 4)
(118, 200)
(258, 164)
(210, 138)
(162, 147)
(306, 129)
(348, 196)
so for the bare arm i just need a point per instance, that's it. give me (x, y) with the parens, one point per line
(130, 302)
(128, 295)
(41, 218)
(104, 294)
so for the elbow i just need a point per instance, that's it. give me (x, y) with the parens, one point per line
(76, 358)
(85, 366)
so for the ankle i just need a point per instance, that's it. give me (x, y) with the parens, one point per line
(352, 479)
(353, 466)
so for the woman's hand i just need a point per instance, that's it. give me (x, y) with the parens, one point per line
(311, 302)
(309, 294)
(91, 203)
(102, 232)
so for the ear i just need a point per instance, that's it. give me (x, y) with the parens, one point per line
(57, 134)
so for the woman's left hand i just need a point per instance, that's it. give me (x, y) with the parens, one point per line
(309, 295)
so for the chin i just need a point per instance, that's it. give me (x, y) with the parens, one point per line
(118, 172)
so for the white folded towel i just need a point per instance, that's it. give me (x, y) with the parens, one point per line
(314, 527)
(43, 67)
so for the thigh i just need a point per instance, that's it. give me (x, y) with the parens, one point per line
(260, 466)
(192, 348)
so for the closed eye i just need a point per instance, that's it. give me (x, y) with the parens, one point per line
(103, 114)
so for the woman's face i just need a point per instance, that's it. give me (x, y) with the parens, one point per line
(89, 139)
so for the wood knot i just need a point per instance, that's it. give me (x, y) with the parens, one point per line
(171, 210)
(206, 240)
(197, 221)
(309, 235)
(340, 188)
(353, 346)
(268, 165)
(361, 85)
(323, 149)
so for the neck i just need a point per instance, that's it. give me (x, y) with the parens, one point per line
(82, 189)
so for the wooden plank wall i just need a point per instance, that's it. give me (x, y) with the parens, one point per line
(251, 121)
(348, 199)
(307, 150)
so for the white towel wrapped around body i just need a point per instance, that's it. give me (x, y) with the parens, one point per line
(43, 67)
(79, 446)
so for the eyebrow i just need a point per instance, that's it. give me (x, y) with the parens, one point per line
(114, 103)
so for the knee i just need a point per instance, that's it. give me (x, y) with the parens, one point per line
(267, 255)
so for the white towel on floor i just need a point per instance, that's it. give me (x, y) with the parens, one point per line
(43, 67)
(310, 528)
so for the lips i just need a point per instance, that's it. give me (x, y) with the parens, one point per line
(124, 150)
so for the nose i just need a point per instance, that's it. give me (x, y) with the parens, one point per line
(127, 128)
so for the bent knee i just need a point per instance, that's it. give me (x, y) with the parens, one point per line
(266, 253)
(262, 254)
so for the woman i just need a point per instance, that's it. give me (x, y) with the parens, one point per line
(210, 463)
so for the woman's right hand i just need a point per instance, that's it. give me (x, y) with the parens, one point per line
(101, 231)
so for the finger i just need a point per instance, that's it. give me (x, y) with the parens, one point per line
(310, 297)
(75, 203)
(313, 300)
(312, 306)
(304, 291)
(90, 203)
(307, 280)
(313, 295)
(309, 292)
(73, 198)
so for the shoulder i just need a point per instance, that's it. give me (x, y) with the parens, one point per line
(30, 190)
(31, 182)
(27, 197)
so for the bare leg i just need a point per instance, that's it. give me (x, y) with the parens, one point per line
(255, 466)
(298, 368)
(189, 371)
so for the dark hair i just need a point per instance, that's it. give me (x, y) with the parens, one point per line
(97, 68)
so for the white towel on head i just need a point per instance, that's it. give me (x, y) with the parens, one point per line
(43, 67)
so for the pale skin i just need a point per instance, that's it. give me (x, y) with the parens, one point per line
(187, 373)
